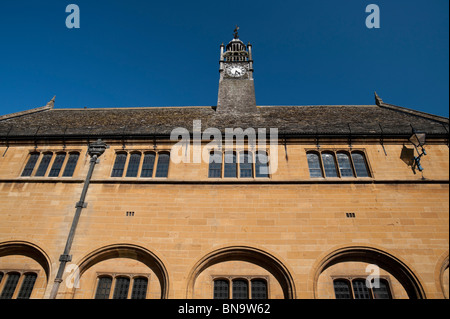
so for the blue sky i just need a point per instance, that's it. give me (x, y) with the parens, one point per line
(137, 53)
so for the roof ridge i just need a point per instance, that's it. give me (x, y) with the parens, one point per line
(436, 118)
(50, 105)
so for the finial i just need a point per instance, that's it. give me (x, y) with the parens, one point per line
(236, 35)
(378, 100)
(51, 103)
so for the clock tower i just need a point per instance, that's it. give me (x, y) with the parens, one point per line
(236, 86)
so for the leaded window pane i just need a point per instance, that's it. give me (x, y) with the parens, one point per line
(57, 165)
(360, 165)
(133, 165)
(103, 288)
(246, 164)
(119, 165)
(163, 165)
(10, 286)
(262, 165)
(240, 289)
(259, 289)
(383, 292)
(360, 289)
(342, 289)
(148, 165)
(221, 289)
(139, 288)
(45, 161)
(230, 165)
(314, 165)
(215, 165)
(71, 165)
(329, 165)
(30, 164)
(345, 166)
(121, 289)
(27, 286)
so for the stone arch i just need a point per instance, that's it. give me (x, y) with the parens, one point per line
(27, 249)
(442, 267)
(132, 252)
(247, 254)
(399, 269)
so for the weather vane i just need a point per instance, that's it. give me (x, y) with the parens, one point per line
(236, 35)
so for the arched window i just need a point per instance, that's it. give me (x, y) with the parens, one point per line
(230, 165)
(259, 289)
(30, 164)
(133, 165)
(246, 164)
(162, 169)
(43, 166)
(215, 165)
(261, 164)
(119, 165)
(71, 164)
(122, 285)
(139, 288)
(315, 169)
(148, 165)
(240, 289)
(103, 287)
(360, 164)
(221, 289)
(342, 289)
(345, 166)
(57, 165)
(329, 165)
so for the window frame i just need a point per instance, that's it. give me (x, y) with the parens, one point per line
(125, 163)
(158, 163)
(66, 166)
(114, 276)
(366, 162)
(247, 278)
(53, 163)
(246, 158)
(34, 168)
(18, 289)
(155, 156)
(237, 165)
(49, 164)
(212, 155)
(351, 279)
(350, 161)
(319, 159)
(137, 166)
(32, 172)
(335, 152)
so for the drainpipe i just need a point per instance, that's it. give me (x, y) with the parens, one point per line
(95, 150)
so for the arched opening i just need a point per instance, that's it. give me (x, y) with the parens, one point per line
(355, 261)
(442, 276)
(248, 258)
(119, 261)
(29, 264)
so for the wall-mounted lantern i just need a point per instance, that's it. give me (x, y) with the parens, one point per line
(418, 140)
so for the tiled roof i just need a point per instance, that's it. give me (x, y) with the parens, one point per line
(358, 120)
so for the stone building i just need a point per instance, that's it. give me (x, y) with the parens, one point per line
(101, 203)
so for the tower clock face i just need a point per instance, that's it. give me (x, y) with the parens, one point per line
(236, 71)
